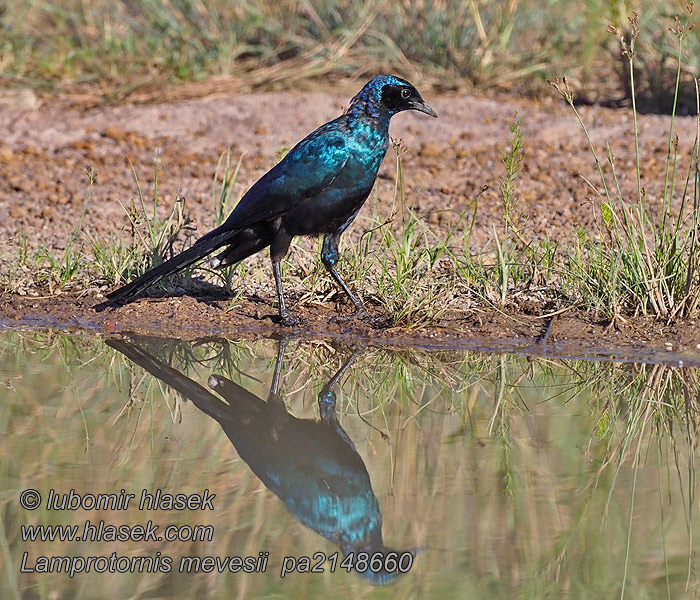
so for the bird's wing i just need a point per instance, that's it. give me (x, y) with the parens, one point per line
(307, 169)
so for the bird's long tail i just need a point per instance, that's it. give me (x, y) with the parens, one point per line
(203, 246)
(202, 398)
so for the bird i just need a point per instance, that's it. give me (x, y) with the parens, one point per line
(317, 189)
(311, 465)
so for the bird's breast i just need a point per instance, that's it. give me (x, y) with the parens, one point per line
(334, 207)
(368, 144)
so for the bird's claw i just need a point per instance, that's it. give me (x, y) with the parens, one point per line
(288, 320)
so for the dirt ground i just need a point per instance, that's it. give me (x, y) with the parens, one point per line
(572, 334)
(49, 146)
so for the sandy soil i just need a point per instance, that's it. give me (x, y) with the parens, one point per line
(48, 147)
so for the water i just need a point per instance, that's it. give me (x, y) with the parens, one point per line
(489, 475)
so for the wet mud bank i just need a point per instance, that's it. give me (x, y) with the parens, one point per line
(567, 334)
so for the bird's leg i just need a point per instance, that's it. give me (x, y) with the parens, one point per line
(326, 398)
(285, 318)
(278, 249)
(329, 258)
(274, 398)
(281, 347)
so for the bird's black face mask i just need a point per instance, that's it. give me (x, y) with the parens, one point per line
(404, 97)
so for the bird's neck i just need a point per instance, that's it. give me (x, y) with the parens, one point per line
(363, 107)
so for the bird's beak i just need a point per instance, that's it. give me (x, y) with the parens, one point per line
(421, 106)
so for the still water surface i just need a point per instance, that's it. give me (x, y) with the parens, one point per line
(425, 474)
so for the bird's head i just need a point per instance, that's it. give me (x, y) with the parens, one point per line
(390, 94)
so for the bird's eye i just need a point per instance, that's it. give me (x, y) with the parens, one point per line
(405, 93)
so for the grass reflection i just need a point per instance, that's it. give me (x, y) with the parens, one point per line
(514, 476)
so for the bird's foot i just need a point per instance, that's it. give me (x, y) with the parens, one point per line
(288, 320)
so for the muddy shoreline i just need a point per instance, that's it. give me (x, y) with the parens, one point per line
(571, 333)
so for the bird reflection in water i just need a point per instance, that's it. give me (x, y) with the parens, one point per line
(312, 466)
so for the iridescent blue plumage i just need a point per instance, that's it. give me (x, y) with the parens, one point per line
(317, 189)
(312, 466)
